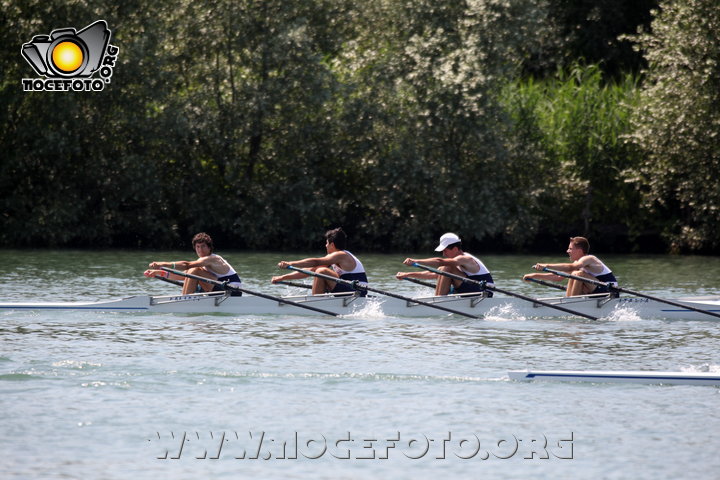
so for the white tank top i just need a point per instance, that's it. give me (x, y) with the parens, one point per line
(483, 269)
(358, 266)
(231, 270)
(605, 269)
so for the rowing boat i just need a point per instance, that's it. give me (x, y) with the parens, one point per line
(601, 376)
(601, 306)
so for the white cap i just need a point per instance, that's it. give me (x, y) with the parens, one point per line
(447, 239)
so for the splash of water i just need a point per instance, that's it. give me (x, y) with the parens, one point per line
(372, 310)
(703, 368)
(503, 313)
(623, 314)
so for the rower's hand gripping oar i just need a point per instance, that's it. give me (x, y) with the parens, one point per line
(224, 285)
(360, 286)
(615, 288)
(484, 285)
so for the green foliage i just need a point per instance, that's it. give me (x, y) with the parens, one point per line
(677, 124)
(267, 122)
(439, 156)
(575, 123)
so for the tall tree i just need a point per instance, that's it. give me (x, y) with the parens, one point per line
(678, 123)
(72, 169)
(431, 71)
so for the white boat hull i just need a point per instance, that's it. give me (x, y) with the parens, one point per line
(500, 306)
(600, 376)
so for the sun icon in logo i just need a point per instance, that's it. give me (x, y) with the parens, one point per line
(67, 56)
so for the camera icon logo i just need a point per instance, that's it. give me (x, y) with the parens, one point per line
(67, 54)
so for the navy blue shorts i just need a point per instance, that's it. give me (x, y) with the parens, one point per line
(341, 287)
(467, 287)
(229, 278)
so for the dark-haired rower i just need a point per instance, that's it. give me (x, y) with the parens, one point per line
(208, 265)
(338, 263)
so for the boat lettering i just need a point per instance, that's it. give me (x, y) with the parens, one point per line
(185, 298)
(633, 300)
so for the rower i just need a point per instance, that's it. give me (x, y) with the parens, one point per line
(338, 263)
(455, 261)
(208, 265)
(582, 265)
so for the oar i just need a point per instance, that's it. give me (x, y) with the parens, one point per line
(293, 284)
(419, 282)
(484, 284)
(631, 292)
(176, 282)
(547, 284)
(167, 280)
(225, 286)
(356, 285)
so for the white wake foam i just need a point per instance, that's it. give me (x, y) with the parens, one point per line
(623, 314)
(503, 313)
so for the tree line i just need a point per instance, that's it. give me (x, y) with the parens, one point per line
(515, 123)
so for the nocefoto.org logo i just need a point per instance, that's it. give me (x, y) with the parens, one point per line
(68, 59)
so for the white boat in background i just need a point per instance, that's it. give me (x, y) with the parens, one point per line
(600, 376)
(601, 306)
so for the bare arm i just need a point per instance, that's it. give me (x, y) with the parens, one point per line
(288, 276)
(434, 262)
(464, 261)
(425, 275)
(154, 270)
(174, 265)
(211, 261)
(589, 262)
(345, 261)
(339, 258)
(544, 276)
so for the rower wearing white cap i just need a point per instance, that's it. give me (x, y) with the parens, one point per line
(454, 261)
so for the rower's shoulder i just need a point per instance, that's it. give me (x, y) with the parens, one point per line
(211, 259)
(465, 256)
(345, 255)
(590, 260)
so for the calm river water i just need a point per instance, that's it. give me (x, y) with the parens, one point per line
(118, 396)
